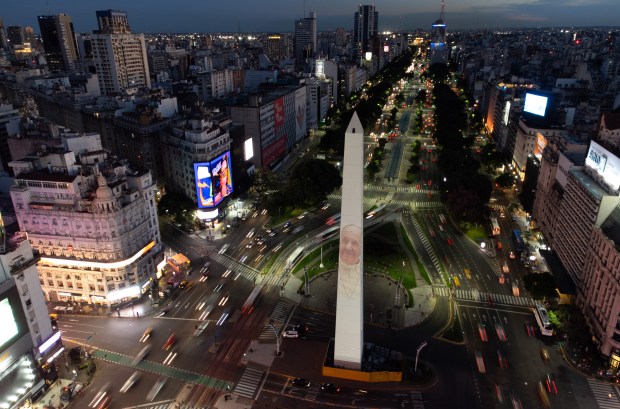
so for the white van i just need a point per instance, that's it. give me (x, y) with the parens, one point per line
(290, 334)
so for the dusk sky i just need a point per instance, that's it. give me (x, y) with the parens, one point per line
(182, 16)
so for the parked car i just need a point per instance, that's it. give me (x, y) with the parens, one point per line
(301, 382)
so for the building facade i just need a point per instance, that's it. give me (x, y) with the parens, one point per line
(92, 219)
(59, 42)
(305, 39)
(365, 30)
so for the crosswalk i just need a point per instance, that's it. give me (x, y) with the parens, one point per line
(249, 382)
(164, 404)
(605, 395)
(469, 295)
(239, 268)
(278, 318)
(427, 245)
(418, 204)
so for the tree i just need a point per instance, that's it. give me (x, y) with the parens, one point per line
(540, 285)
(505, 180)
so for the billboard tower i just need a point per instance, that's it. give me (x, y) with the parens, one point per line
(349, 308)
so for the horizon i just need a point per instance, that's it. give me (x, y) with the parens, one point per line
(184, 16)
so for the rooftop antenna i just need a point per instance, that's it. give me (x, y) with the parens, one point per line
(443, 6)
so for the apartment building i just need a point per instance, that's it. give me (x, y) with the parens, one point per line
(92, 219)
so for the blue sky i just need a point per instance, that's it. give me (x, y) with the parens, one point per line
(180, 16)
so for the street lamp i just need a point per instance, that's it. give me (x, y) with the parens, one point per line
(321, 265)
(417, 355)
(277, 337)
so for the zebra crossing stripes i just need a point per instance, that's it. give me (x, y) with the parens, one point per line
(278, 317)
(249, 382)
(236, 266)
(469, 295)
(159, 405)
(605, 395)
(425, 204)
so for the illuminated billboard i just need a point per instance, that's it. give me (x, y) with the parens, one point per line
(9, 323)
(605, 163)
(535, 104)
(213, 181)
(248, 149)
(539, 146)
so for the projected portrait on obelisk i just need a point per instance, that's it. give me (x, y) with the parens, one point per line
(349, 320)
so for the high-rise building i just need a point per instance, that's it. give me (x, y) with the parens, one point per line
(276, 47)
(341, 37)
(119, 56)
(59, 42)
(92, 219)
(15, 34)
(365, 29)
(3, 40)
(439, 49)
(305, 39)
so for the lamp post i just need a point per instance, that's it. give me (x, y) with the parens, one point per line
(321, 265)
(277, 337)
(417, 355)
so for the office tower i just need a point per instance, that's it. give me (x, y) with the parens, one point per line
(305, 39)
(365, 29)
(59, 42)
(3, 40)
(276, 47)
(15, 34)
(30, 37)
(119, 56)
(439, 49)
(113, 22)
(92, 219)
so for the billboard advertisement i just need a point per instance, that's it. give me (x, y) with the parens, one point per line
(12, 318)
(539, 146)
(605, 163)
(213, 181)
(535, 104)
(300, 113)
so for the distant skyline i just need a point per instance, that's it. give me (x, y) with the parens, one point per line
(186, 16)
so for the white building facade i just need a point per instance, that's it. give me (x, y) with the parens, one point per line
(93, 221)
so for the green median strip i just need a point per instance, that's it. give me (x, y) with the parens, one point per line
(150, 366)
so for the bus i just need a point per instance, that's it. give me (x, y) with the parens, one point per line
(294, 257)
(327, 234)
(543, 320)
(251, 301)
(495, 231)
(333, 219)
(517, 239)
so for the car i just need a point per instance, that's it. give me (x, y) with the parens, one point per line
(480, 362)
(170, 342)
(542, 395)
(301, 382)
(550, 383)
(301, 328)
(184, 284)
(450, 242)
(290, 334)
(330, 388)
(499, 330)
(529, 328)
(147, 334)
(501, 360)
(483, 332)
(250, 244)
(130, 382)
(512, 255)
(544, 354)
(219, 286)
(99, 401)
(499, 393)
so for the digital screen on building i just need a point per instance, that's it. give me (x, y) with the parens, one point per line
(9, 323)
(535, 104)
(213, 181)
(248, 149)
(506, 112)
(605, 163)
